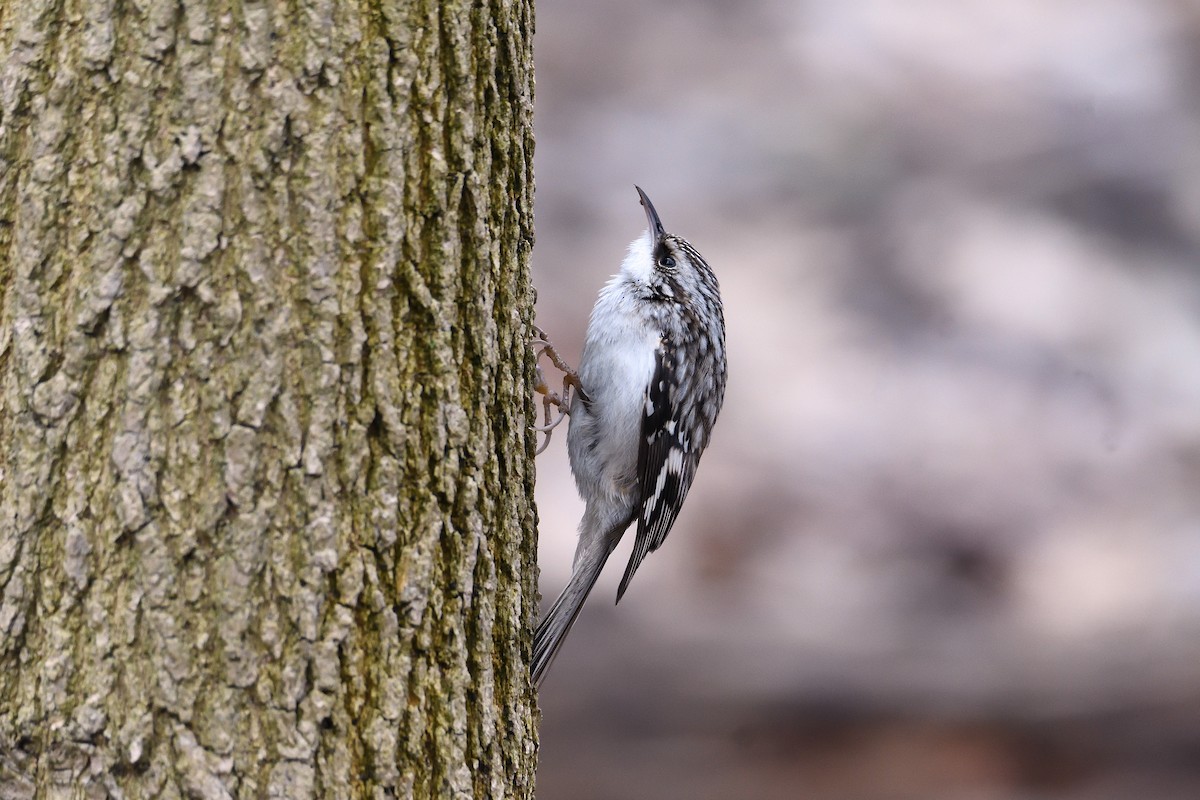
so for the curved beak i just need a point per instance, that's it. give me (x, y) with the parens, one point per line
(656, 226)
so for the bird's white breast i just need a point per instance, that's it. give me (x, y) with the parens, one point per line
(615, 370)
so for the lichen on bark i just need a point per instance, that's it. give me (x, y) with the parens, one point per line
(266, 526)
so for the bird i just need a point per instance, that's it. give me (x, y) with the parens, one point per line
(649, 387)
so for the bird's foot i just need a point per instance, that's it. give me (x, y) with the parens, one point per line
(551, 398)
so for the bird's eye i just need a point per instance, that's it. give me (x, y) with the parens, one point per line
(666, 261)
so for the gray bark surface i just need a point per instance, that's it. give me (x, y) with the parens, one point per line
(266, 526)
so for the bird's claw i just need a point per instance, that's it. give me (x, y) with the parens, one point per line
(550, 398)
(550, 425)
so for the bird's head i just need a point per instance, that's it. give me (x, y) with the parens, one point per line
(665, 265)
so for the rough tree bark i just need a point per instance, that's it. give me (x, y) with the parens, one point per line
(265, 521)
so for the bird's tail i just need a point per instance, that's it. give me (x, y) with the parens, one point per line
(557, 623)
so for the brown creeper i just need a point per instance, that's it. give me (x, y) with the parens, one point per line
(652, 380)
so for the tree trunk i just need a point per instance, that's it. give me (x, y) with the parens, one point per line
(266, 526)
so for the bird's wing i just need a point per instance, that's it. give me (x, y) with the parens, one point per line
(667, 459)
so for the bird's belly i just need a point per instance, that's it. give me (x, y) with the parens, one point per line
(602, 440)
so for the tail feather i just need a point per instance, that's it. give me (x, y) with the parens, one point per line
(555, 626)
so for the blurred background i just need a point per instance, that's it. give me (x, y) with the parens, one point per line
(946, 540)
